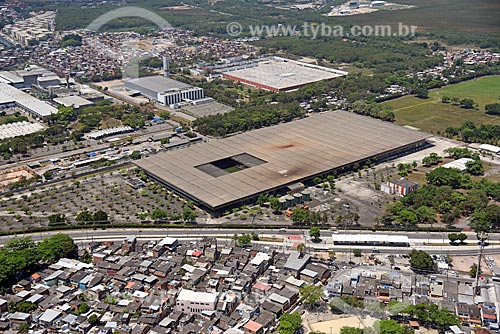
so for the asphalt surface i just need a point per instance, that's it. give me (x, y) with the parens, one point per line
(436, 247)
(54, 152)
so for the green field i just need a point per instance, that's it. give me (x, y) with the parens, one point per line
(432, 115)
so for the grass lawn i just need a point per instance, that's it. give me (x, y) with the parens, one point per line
(432, 115)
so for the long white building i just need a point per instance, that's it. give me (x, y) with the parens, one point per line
(13, 97)
(165, 90)
(369, 239)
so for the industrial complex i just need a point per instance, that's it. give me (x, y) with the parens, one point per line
(278, 74)
(229, 172)
(13, 97)
(164, 90)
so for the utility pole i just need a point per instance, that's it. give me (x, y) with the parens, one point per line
(482, 237)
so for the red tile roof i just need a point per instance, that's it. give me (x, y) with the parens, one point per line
(253, 326)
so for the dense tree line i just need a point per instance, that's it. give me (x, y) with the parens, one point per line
(373, 110)
(13, 119)
(483, 39)
(265, 105)
(247, 119)
(431, 315)
(86, 217)
(382, 55)
(20, 257)
(469, 132)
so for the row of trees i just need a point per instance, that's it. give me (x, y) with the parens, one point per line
(248, 118)
(188, 214)
(374, 110)
(20, 257)
(86, 217)
(469, 132)
(463, 103)
(303, 216)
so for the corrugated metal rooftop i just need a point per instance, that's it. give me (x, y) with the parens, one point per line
(291, 152)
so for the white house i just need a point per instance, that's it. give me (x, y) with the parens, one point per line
(195, 302)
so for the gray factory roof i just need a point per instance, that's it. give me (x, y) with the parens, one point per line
(226, 170)
(158, 83)
(297, 261)
(9, 94)
(75, 101)
(282, 73)
(10, 77)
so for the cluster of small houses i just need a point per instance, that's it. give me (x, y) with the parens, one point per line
(164, 287)
(469, 57)
(202, 287)
(101, 54)
(455, 295)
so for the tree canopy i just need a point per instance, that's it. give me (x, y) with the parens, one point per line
(431, 315)
(448, 177)
(60, 245)
(315, 232)
(20, 256)
(311, 293)
(421, 261)
(290, 323)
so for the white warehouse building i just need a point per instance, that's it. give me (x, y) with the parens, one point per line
(13, 97)
(165, 90)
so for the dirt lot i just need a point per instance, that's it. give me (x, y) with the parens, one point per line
(13, 176)
(334, 326)
(463, 263)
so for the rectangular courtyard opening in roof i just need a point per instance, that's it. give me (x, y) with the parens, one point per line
(230, 165)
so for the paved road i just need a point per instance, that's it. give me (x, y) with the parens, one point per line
(85, 236)
(144, 134)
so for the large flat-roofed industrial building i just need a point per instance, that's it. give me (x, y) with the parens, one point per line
(165, 90)
(13, 97)
(278, 74)
(229, 172)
